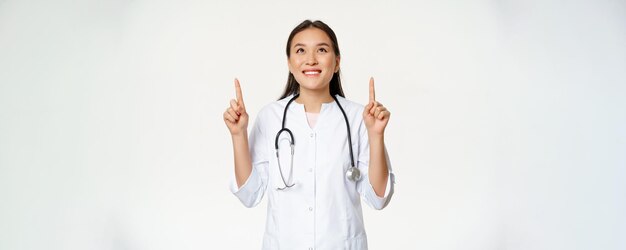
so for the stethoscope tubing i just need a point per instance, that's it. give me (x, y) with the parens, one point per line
(353, 173)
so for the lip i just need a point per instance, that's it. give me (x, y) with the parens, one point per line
(312, 72)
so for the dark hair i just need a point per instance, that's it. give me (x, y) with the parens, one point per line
(293, 87)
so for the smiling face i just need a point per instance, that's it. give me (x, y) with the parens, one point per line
(312, 60)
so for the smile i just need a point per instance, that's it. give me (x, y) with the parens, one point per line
(312, 73)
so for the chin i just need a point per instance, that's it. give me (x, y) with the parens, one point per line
(313, 84)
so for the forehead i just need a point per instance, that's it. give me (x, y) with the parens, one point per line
(311, 37)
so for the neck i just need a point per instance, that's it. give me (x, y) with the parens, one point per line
(313, 99)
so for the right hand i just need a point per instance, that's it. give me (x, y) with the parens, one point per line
(236, 117)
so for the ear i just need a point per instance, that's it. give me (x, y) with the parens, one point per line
(289, 65)
(337, 61)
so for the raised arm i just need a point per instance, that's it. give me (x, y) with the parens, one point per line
(236, 119)
(376, 117)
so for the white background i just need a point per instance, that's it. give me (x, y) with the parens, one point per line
(508, 127)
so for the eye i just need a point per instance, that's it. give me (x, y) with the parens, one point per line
(299, 50)
(322, 50)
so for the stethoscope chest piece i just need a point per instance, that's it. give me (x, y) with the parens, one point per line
(353, 174)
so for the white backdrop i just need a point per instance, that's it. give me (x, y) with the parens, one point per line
(507, 128)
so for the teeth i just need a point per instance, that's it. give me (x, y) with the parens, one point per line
(311, 72)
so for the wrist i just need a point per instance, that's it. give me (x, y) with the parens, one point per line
(239, 136)
(376, 137)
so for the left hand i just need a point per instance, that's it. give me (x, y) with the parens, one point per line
(375, 115)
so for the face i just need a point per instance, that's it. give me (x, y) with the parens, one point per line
(312, 60)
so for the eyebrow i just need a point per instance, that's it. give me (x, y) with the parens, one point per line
(319, 44)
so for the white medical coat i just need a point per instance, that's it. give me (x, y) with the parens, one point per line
(323, 209)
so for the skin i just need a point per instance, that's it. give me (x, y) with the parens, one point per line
(311, 51)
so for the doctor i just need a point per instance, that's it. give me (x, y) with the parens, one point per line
(314, 194)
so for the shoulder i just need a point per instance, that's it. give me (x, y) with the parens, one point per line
(350, 106)
(274, 107)
(271, 113)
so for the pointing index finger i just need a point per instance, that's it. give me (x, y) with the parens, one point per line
(238, 91)
(372, 92)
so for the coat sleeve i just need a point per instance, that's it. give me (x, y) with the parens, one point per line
(252, 191)
(364, 185)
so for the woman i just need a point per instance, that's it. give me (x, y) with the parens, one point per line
(313, 152)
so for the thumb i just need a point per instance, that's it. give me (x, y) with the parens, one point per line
(366, 110)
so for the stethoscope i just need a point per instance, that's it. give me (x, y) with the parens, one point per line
(353, 173)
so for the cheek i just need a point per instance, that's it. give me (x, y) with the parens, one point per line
(293, 64)
(332, 63)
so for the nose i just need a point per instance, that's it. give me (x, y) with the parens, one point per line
(311, 59)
